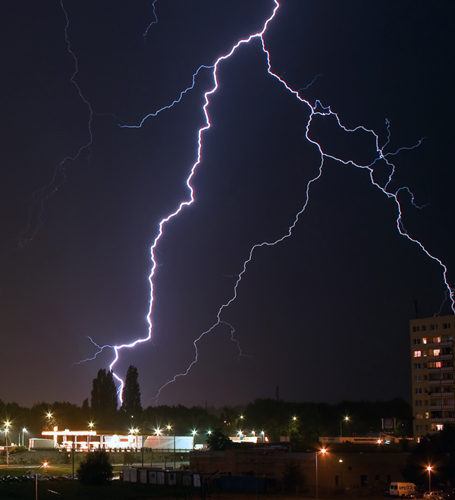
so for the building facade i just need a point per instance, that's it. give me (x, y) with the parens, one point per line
(432, 373)
(323, 473)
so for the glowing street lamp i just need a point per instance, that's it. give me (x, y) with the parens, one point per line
(7, 425)
(345, 419)
(294, 419)
(44, 464)
(322, 451)
(90, 425)
(429, 469)
(194, 432)
(24, 430)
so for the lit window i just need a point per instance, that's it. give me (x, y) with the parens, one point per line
(438, 364)
(424, 340)
(436, 340)
(427, 414)
(417, 354)
(439, 427)
(436, 352)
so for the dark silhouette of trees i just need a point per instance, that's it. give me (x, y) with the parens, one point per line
(104, 397)
(132, 393)
(217, 441)
(95, 468)
(293, 478)
(437, 450)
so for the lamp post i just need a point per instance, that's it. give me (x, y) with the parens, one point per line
(345, 419)
(194, 432)
(429, 469)
(7, 424)
(90, 425)
(323, 451)
(294, 419)
(24, 430)
(44, 464)
(49, 420)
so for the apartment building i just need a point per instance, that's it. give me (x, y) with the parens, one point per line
(432, 373)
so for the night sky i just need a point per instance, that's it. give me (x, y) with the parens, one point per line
(323, 315)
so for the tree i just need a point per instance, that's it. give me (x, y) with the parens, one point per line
(95, 468)
(293, 477)
(437, 450)
(132, 393)
(104, 394)
(217, 441)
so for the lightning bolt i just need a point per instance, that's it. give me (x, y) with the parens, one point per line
(316, 110)
(155, 20)
(41, 195)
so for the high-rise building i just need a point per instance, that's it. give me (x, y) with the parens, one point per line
(433, 389)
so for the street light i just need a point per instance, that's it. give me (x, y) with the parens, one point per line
(429, 469)
(194, 432)
(322, 451)
(7, 424)
(346, 419)
(44, 464)
(90, 425)
(24, 430)
(294, 419)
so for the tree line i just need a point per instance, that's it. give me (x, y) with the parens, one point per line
(300, 422)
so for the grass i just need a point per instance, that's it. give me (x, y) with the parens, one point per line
(51, 470)
(73, 490)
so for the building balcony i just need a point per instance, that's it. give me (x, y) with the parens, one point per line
(442, 420)
(437, 345)
(442, 369)
(433, 383)
(441, 357)
(442, 394)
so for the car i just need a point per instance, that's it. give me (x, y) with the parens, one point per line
(433, 495)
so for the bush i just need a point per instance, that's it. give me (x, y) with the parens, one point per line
(95, 468)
